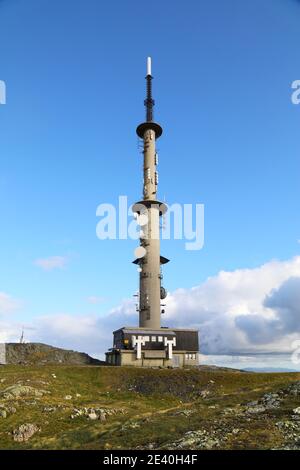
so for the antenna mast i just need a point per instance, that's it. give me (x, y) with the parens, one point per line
(149, 101)
(22, 336)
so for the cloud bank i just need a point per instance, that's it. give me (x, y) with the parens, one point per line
(8, 304)
(244, 310)
(238, 312)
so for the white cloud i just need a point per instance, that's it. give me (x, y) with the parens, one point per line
(87, 333)
(9, 332)
(242, 311)
(8, 304)
(221, 305)
(53, 262)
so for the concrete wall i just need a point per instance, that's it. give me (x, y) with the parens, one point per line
(128, 358)
(2, 353)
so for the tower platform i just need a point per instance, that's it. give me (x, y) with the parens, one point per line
(145, 347)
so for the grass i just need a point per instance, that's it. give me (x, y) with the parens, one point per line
(154, 402)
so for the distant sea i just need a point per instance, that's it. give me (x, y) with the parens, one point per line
(260, 362)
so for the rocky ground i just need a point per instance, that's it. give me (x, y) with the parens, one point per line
(91, 407)
(41, 354)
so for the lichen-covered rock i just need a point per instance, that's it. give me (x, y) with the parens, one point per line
(271, 400)
(235, 431)
(291, 433)
(96, 413)
(25, 432)
(204, 393)
(93, 416)
(6, 410)
(293, 389)
(185, 412)
(49, 409)
(200, 439)
(268, 401)
(255, 409)
(18, 390)
(130, 425)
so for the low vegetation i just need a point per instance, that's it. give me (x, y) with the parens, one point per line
(96, 407)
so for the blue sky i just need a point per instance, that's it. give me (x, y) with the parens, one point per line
(74, 72)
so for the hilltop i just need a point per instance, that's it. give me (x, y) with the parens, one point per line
(96, 407)
(40, 354)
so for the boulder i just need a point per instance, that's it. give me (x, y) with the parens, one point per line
(25, 432)
(293, 389)
(18, 390)
(255, 409)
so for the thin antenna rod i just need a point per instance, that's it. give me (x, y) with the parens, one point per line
(148, 65)
(149, 101)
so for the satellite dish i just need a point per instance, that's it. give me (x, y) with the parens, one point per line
(142, 219)
(140, 252)
(163, 293)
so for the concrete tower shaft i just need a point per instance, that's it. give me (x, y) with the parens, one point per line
(150, 277)
(150, 210)
(150, 170)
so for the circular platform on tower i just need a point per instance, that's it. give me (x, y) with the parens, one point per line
(140, 130)
(139, 206)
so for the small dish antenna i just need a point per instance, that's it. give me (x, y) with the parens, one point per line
(142, 219)
(140, 252)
